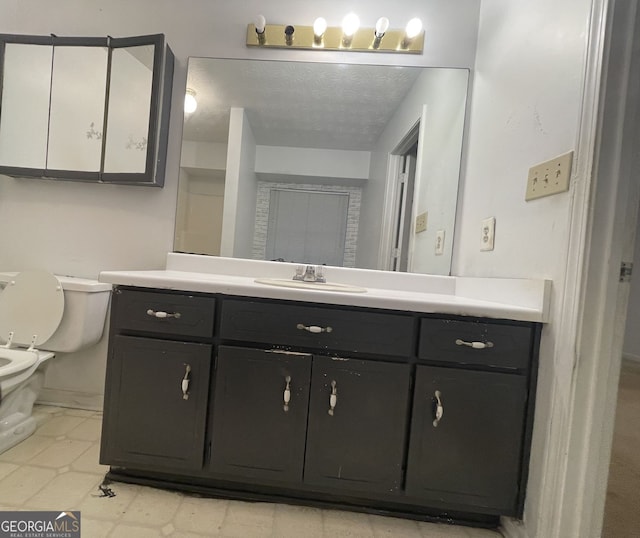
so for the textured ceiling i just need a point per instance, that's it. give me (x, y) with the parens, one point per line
(333, 106)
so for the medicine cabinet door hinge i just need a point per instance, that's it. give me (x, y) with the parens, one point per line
(626, 269)
(395, 253)
(402, 177)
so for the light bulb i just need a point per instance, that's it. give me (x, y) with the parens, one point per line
(319, 27)
(350, 24)
(381, 27)
(190, 103)
(260, 24)
(414, 27)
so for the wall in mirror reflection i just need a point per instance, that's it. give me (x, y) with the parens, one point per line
(231, 200)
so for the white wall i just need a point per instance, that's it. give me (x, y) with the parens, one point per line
(438, 172)
(312, 163)
(525, 108)
(81, 229)
(442, 92)
(247, 185)
(200, 203)
(203, 155)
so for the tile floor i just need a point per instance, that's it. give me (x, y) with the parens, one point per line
(57, 469)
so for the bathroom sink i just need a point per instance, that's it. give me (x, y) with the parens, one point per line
(301, 284)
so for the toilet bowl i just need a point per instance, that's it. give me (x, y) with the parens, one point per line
(41, 315)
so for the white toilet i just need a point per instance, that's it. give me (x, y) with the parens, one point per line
(40, 315)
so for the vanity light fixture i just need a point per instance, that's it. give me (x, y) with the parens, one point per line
(260, 25)
(348, 37)
(350, 25)
(190, 103)
(288, 35)
(319, 28)
(413, 29)
(382, 25)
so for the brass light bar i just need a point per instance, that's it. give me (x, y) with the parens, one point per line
(303, 37)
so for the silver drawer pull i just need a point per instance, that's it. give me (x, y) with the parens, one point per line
(439, 409)
(474, 345)
(185, 382)
(313, 328)
(161, 314)
(333, 399)
(287, 393)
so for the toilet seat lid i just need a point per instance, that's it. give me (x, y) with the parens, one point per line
(31, 304)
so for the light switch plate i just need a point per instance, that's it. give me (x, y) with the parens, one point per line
(488, 233)
(421, 222)
(550, 177)
(439, 242)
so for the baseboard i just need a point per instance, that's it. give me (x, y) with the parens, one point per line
(630, 363)
(512, 528)
(631, 357)
(73, 399)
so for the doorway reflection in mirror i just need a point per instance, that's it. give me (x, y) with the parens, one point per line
(300, 223)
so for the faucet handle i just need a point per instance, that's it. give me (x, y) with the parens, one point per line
(309, 274)
(299, 272)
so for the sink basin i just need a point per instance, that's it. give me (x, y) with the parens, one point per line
(325, 286)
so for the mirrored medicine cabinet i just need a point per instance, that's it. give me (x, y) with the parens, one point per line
(85, 108)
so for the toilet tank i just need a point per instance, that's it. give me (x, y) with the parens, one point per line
(85, 312)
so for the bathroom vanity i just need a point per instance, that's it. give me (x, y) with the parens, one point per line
(394, 401)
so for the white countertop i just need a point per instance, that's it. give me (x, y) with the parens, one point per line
(515, 299)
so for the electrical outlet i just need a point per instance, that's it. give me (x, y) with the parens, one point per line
(488, 233)
(439, 242)
(421, 222)
(550, 177)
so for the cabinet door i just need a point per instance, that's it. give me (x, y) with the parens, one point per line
(356, 439)
(24, 107)
(148, 420)
(255, 434)
(471, 456)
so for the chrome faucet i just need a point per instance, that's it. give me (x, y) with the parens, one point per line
(310, 273)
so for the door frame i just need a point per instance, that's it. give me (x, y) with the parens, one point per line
(590, 328)
(390, 209)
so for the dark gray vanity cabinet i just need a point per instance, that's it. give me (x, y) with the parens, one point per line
(158, 378)
(259, 414)
(156, 422)
(355, 440)
(472, 414)
(471, 455)
(408, 413)
(292, 417)
(330, 433)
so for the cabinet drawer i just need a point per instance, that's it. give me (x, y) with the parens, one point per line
(507, 346)
(164, 313)
(295, 325)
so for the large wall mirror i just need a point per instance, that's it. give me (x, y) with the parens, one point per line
(339, 164)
